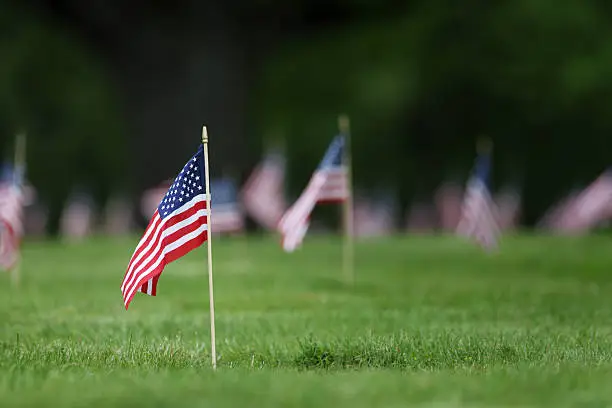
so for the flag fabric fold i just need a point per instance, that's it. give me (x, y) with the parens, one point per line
(478, 213)
(328, 184)
(179, 225)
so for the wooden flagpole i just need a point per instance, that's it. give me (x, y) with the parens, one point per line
(19, 171)
(210, 270)
(348, 252)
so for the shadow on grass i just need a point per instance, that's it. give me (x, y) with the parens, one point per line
(408, 354)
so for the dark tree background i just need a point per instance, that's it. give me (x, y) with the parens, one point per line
(113, 93)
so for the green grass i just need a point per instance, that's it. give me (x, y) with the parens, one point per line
(429, 321)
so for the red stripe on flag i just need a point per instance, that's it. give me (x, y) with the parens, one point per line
(153, 235)
(162, 242)
(158, 266)
(156, 250)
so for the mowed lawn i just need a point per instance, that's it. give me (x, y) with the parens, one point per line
(429, 321)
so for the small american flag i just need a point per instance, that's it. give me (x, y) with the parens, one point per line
(179, 225)
(554, 218)
(478, 212)
(263, 194)
(447, 200)
(77, 220)
(589, 208)
(328, 184)
(508, 204)
(228, 212)
(11, 217)
(374, 216)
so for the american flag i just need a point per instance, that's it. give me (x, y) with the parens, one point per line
(447, 201)
(11, 216)
(589, 208)
(77, 220)
(179, 225)
(263, 194)
(508, 204)
(554, 217)
(478, 212)
(374, 216)
(228, 212)
(328, 184)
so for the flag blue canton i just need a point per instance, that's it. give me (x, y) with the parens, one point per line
(187, 185)
(6, 174)
(334, 154)
(11, 174)
(482, 169)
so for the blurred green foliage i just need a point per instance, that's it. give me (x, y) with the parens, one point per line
(55, 89)
(422, 86)
(421, 82)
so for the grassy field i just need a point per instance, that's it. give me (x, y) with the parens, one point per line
(429, 321)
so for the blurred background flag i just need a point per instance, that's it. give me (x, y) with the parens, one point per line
(508, 204)
(151, 198)
(447, 201)
(375, 215)
(228, 214)
(263, 194)
(118, 216)
(78, 217)
(11, 215)
(479, 215)
(553, 218)
(328, 184)
(589, 208)
(178, 226)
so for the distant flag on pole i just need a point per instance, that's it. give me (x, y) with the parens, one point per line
(590, 207)
(553, 218)
(328, 184)
(447, 202)
(263, 194)
(508, 204)
(228, 212)
(478, 213)
(77, 220)
(11, 215)
(151, 198)
(179, 225)
(374, 216)
(118, 216)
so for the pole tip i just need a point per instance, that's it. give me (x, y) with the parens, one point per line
(204, 135)
(343, 123)
(484, 145)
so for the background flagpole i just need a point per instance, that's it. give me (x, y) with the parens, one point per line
(347, 261)
(18, 177)
(209, 240)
